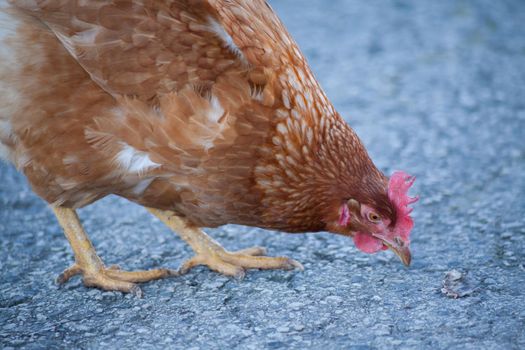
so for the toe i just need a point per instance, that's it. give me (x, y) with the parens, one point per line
(107, 283)
(68, 273)
(253, 251)
(190, 263)
(262, 262)
(227, 269)
(139, 276)
(294, 264)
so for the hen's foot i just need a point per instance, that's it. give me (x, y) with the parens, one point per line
(210, 253)
(91, 267)
(113, 278)
(235, 263)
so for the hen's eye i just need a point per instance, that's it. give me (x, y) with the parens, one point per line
(373, 217)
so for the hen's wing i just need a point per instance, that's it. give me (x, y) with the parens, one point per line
(198, 89)
(146, 49)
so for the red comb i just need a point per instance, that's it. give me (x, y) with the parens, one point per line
(398, 186)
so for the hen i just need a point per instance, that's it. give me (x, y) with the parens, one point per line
(203, 111)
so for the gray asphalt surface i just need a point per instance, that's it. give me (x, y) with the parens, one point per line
(436, 88)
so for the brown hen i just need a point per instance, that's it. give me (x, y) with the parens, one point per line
(203, 111)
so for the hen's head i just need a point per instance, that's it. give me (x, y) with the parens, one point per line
(379, 219)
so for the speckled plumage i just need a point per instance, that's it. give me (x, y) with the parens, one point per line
(205, 108)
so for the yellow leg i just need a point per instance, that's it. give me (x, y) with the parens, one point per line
(210, 253)
(90, 266)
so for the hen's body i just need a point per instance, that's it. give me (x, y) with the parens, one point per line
(201, 110)
(174, 107)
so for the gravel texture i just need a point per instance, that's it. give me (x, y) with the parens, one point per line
(436, 88)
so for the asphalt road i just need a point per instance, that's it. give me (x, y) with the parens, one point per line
(436, 88)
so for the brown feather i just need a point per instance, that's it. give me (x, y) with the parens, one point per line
(207, 108)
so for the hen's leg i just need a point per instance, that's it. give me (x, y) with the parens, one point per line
(90, 266)
(210, 253)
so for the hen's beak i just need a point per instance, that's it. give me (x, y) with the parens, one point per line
(398, 247)
(403, 253)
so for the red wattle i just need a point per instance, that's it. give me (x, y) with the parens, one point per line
(367, 243)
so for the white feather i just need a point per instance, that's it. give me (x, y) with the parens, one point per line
(218, 29)
(216, 111)
(134, 161)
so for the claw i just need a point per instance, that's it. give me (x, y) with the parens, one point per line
(66, 275)
(136, 291)
(294, 264)
(240, 274)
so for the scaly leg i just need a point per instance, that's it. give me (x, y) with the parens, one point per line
(90, 266)
(210, 253)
